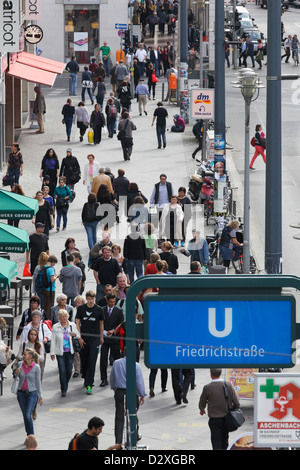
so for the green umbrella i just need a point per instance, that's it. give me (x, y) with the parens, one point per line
(16, 206)
(13, 239)
(8, 270)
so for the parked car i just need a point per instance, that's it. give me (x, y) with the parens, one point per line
(284, 3)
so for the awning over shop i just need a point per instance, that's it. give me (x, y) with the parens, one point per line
(36, 69)
(16, 206)
(8, 270)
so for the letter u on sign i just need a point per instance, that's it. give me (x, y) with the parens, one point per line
(212, 323)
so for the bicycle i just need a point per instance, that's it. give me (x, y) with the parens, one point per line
(295, 55)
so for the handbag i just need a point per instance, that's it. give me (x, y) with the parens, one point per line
(234, 417)
(121, 133)
(87, 84)
(6, 180)
(15, 384)
(75, 342)
(91, 136)
(154, 77)
(26, 270)
(253, 141)
(46, 345)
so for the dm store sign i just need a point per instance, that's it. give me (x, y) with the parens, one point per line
(202, 104)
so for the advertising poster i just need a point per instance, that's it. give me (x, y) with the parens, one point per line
(81, 42)
(277, 410)
(243, 381)
(202, 104)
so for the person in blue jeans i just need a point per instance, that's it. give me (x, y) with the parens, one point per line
(15, 164)
(61, 195)
(160, 115)
(89, 219)
(73, 67)
(30, 388)
(135, 252)
(68, 113)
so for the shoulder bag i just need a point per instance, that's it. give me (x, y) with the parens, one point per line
(121, 133)
(15, 384)
(234, 417)
(75, 342)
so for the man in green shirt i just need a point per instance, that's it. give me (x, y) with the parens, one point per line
(105, 57)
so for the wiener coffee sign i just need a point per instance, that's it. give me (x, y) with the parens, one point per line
(9, 25)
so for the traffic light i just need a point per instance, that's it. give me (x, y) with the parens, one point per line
(173, 25)
(126, 40)
(135, 40)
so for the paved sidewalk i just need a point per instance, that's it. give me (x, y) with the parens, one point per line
(163, 425)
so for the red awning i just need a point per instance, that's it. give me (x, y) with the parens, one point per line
(36, 69)
(32, 74)
(41, 62)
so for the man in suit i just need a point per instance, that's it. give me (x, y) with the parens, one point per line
(113, 316)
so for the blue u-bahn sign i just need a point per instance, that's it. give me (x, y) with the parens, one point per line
(224, 331)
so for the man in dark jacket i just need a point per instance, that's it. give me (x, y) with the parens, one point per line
(134, 251)
(120, 185)
(70, 168)
(113, 317)
(73, 68)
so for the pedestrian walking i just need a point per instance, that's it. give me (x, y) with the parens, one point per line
(89, 322)
(120, 72)
(198, 133)
(87, 84)
(73, 68)
(113, 79)
(44, 213)
(142, 94)
(152, 80)
(30, 387)
(38, 243)
(118, 385)
(70, 277)
(34, 304)
(160, 197)
(90, 170)
(141, 55)
(243, 55)
(134, 250)
(287, 48)
(90, 219)
(100, 91)
(50, 166)
(82, 119)
(213, 398)
(107, 213)
(125, 127)
(124, 93)
(81, 265)
(260, 53)
(113, 317)
(44, 334)
(106, 269)
(97, 122)
(181, 391)
(69, 249)
(168, 256)
(62, 347)
(197, 248)
(49, 287)
(106, 53)
(160, 115)
(259, 145)
(14, 164)
(61, 195)
(250, 52)
(32, 342)
(61, 304)
(111, 116)
(171, 221)
(39, 108)
(102, 178)
(152, 378)
(70, 169)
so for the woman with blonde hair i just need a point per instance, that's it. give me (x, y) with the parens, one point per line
(30, 387)
(228, 241)
(63, 348)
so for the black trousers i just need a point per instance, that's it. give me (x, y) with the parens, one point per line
(219, 433)
(179, 391)
(114, 348)
(120, 399)
(127, 145)
(164, 377)
(88, 357)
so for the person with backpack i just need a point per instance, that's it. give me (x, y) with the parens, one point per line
(90, 220)
(111, 116)
(46, 280)
(88, 439)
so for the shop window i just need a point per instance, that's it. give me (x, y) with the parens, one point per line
(81, 32)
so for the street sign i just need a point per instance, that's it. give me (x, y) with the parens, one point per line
(120, 26)
(224, 331)
(202, 103)
(121, 32)
(277, 410)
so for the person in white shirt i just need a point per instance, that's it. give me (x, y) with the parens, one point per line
(141, 55)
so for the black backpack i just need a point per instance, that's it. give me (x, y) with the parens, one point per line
(42, 281)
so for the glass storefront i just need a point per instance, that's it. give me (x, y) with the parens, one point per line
(81, 32)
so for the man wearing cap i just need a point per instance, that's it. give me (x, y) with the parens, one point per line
(179, 124)
(142, 92)
(70, 168)
(38, 242)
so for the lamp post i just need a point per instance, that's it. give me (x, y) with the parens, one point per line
(249, 83)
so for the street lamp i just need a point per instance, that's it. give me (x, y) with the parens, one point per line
(249, 84)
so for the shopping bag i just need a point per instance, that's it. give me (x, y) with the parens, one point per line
(91, 136)
(26, 270)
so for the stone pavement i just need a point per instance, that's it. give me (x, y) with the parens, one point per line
(163, 425)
